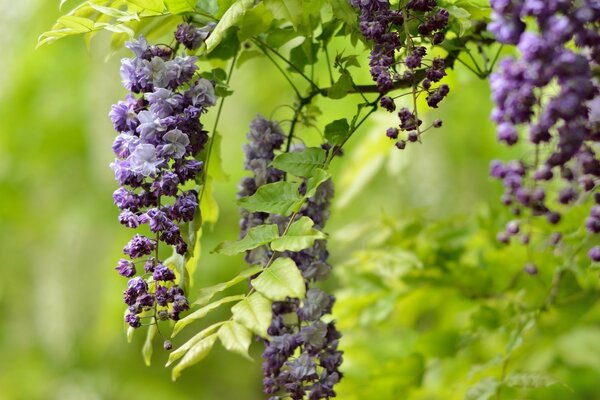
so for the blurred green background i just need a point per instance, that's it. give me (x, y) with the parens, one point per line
(61, 331)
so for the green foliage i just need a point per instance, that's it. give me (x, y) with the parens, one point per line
(300, 235)
(235, 338)
(282, 279)
(276, 198)
(302, 163)
(254, 312)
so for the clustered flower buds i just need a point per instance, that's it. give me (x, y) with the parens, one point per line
(159, 136)
(301, 359)
(392, 34)
(551, 92)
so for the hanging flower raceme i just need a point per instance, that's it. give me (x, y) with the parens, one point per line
(160, 135)
(420, 24)
(551, 92)
(301, 358)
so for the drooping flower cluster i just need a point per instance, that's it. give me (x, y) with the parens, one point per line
(551, 93)
(301, 359)
(159, 136)
(394, 61)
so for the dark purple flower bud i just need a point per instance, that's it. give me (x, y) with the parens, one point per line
(567, 195)
(180, 303)
(167, 345)
(512, 228)
(163, 273)
(129, 219)
(185, 206)
(412, 136)
(387, 103)
(133, 320)
(594, 253)
(139, 246)
(530, 269)
(392, 133)
(553, 217)
(400, 144)
(125, 268)
(437, 123)
(162, 296)
(592, 224)
(502, 237)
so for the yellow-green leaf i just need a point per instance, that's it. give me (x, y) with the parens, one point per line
(235, 338)
(207, 293)
(194, 355)
(202, 312)
(148, 348)
(280, 281)
(301, 235)
(231, 17)
(256, 237)
(254, 312)
(181, 350)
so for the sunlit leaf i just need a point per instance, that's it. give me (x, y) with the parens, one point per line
(301, 163)
(301, 235)
(280, 281)
(254, 312)
(148, 348)
(256, 237)
(231, 17)
(206, 294)
(194, 355)
(277, 198)
(235, 338)
(287, 10)
(202, 312)
(181, 350)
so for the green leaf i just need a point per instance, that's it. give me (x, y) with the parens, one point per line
(181, 350)
(343, 10)
(256, 21)
(196, 354)
(206, 294)
(341, 87)
(148, 348)
(235, 338)
(287, 10)
(157, 6)
(209, 207)
(202, 312)
(337, 131)
(300, 236)
(529, 380)
(301, 163)
(256, 237)
(312, 184)
(482, 390)
(180, 6)
(231, 17)
(112, 12)
(280, 281)
(77, 24)
(276, 198)
(254, 312)
(215, 165)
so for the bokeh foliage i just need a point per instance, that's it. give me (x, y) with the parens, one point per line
(430, 306)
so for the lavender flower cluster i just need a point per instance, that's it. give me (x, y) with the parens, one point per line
(384, 27)
(551, 92)
(301, 358)
(159, 136)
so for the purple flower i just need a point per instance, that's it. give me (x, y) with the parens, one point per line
(144, 161)
(162, 273)
(139, 246)
(125, 268)
(175, 143)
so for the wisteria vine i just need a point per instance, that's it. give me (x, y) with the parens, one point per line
(552, 92)
(399, 39)
(301, 354)
(160, 134)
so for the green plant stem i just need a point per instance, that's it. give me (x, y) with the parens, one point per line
(210, 144)
(285, 75)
